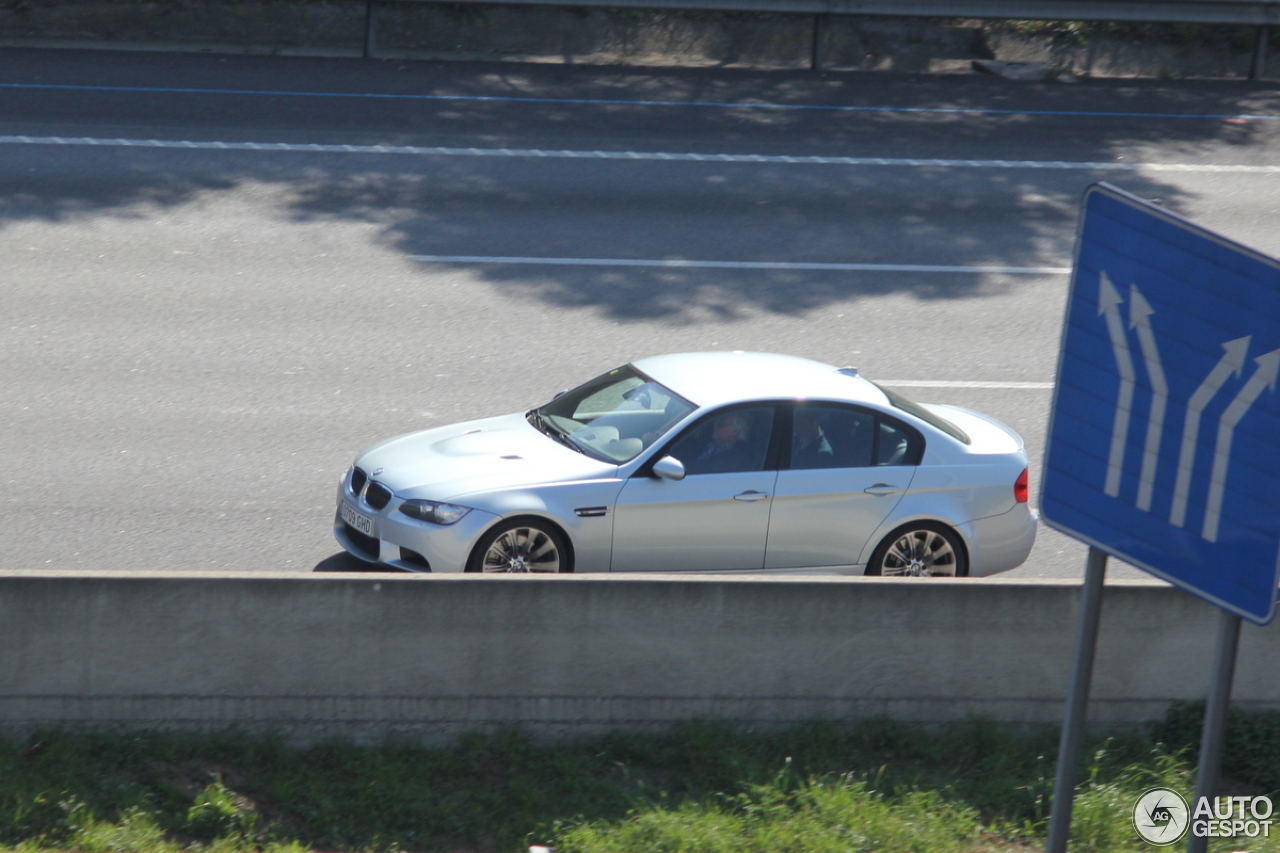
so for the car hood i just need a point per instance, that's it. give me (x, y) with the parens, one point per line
(476, 456)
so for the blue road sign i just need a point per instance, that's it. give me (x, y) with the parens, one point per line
(1164, 441)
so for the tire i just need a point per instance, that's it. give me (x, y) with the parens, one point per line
(520, 546)
(923, 549)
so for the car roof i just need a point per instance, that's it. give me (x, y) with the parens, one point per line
(717, 378)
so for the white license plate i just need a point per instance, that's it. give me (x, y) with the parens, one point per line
(360, 522)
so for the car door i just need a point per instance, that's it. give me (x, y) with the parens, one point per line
(845, 469)
(717, 517)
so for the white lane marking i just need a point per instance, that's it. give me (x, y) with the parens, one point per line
(735, 265)
(1231, 364)
(675, 156)
(1140, 312)
(943, 383)
(1109, 300)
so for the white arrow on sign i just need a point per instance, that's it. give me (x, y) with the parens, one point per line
(1109, 300)
(1264, 377)
(1140, 312)
(1231, 363)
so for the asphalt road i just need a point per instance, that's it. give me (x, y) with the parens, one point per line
(197, 339)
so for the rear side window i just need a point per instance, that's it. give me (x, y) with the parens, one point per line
(895, 445)
(832, 437)
(829, 435)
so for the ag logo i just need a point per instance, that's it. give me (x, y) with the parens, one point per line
(1160, 816)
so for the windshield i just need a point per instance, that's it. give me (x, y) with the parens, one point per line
(614, 417)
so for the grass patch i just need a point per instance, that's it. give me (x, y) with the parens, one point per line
(973, 787)
(1252, 747)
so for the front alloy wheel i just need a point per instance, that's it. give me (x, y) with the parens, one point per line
(920, 550)
(519, 548)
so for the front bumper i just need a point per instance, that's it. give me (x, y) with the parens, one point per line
(406, 544)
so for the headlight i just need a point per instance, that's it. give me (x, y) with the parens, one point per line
(434, 511)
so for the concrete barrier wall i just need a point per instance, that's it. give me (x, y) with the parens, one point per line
(367, 655)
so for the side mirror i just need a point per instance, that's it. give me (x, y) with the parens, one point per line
(669, 468)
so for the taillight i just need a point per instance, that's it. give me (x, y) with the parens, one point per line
(1021, 487)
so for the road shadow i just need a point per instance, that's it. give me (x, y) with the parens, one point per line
(637, 210)
(722, 214)
(344, 562)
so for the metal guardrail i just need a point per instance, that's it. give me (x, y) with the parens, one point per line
(1258, 13)
(1255, 12)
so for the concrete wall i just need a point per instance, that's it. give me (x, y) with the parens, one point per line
(367, 655)
(601, 36)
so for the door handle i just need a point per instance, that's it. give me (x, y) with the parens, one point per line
(751, 495)
(882, 489)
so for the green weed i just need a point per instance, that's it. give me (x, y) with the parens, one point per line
(972, 787)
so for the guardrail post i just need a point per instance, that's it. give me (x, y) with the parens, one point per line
(1260, 38)
(819, 41)
(370, 29)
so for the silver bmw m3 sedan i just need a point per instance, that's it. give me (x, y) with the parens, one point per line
(702, 462)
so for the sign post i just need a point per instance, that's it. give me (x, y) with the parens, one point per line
(1214, 736)
(1077, 701)
(1162, 443)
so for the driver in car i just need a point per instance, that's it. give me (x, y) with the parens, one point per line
(727, 450)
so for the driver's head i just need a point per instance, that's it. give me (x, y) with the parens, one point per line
(727, 429)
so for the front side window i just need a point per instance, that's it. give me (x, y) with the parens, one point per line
(613, 417)
(727, 442)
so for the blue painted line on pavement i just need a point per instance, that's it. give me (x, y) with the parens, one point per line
(629, 103)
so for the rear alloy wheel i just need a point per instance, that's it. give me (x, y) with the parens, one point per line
(520, 547)
(920, 550)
